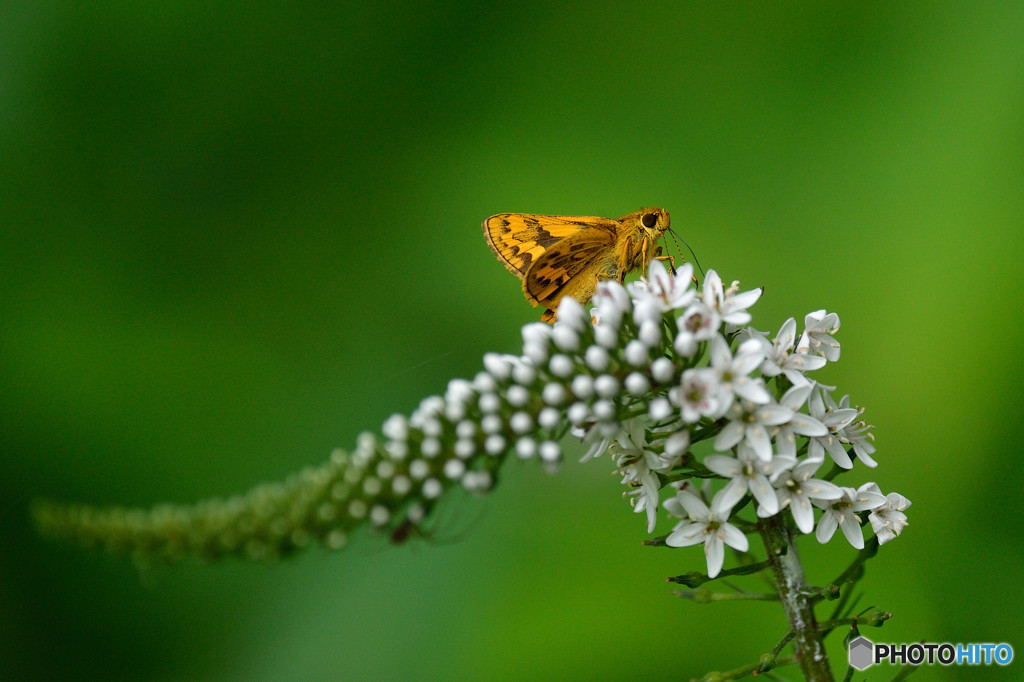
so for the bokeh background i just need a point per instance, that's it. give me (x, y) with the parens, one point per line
(234, 235)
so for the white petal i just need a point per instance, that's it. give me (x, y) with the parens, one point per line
(674, 507)
(807, 425)
(713, 290)
(715, 551)
(841, 418)
(773, 415)
(694, 506)
(867, 499)
(747, 298)
(689, 534)
(897, 501)
(822, 490)
(764, 493)
(751, 389)
(733, 537)
(806, 362)
(677, 443)
(720, 355)
(727, 497)
(851, 529)
(826, 528)
(749, 355)
(758, 439)
(864, 457)
(785, 443)
(803, 513)
(731, 434)
(787, 334)
(838, 453)
(729, 467)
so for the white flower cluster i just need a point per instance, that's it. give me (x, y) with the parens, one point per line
(667, 378)
(749, 396)
(655, 368)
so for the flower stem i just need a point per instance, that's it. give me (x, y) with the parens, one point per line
(784, 559)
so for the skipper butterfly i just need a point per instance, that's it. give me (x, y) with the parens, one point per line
(557, 255)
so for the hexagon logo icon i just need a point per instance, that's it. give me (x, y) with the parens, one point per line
(862, 653)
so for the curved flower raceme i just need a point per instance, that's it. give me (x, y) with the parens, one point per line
(654, 373)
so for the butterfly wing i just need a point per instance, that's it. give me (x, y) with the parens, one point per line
(573, 263)
(520, 239)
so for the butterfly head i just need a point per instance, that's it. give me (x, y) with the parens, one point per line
(653, 222)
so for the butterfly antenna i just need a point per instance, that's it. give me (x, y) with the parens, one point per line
(695, 261)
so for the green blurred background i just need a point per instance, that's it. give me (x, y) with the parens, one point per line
(236, 234)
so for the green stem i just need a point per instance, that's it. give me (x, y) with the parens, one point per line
(789, 578)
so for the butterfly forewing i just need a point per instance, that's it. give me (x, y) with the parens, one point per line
(519, 239)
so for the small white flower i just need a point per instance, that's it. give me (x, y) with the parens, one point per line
(553, 394)
(636, 353)
(572, 314)
(677, 444)
(597, 358)
(549, 418)
(658, 409)
(838, 419)
(748, 472)
(780, 358)
(637, 384)
(734, 372)
(697, 394)
(855, 433)
(661, 292)
(561, 366)
(650, 333)
(699, 323)
(395, 427)
(798, 423)
(706, 525)
(751, 423)
(888, 520)
(817, 337)
(731, 306)
(662, 370)
(550, 451)
(517, 395)
(565, 335)
(498, 366)
(538, 333)
(637, 464)
(599, 441)
(582, 386)
(796, 489)
(842, 513)
(611, 302)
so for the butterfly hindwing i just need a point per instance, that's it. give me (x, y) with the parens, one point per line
(577, 254)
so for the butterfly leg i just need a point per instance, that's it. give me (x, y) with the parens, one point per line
(671, 260)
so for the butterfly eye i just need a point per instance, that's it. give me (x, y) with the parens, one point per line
(649, 219)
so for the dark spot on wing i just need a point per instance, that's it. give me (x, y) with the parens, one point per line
(545, 238)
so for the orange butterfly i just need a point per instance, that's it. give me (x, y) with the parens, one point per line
(557, 255)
